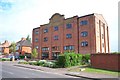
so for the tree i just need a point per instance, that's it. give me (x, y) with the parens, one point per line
(28, 38)
(13, 47)
(34, 53)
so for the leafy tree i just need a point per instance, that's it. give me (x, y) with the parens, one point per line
(28, 38)
(13, 47)
(34, 53)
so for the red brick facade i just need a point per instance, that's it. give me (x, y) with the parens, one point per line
(79, 34)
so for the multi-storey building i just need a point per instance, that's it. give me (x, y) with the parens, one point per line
(85, 34)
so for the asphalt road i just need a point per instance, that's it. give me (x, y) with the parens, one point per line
(11, 71)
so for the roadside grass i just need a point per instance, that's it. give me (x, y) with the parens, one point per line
(4, 59)
(101, 71)
(94, 70)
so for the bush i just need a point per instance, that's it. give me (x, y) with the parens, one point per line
(22, 57)
(85, 59)
(32, 62)
(23, 62)
(41, 62)
(61, 61)
(115, 52)
(49, 64)
(69, 59)
(5, 59)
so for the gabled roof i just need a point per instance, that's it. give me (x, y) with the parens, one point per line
(24, 43)
(5, 44)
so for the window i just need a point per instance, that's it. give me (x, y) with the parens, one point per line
(36, 40)
(68, 35)
(56, 28)
(55, 37)
(45, 39)
(102, 44)
(84, 34)
(68, 47)
(45, 55)
(45, 30)
(84, 43)
(85, 22)
(102, 36)
(68, 26)
(55, 48)
(36, 47)
(45, 49)
(36, 32)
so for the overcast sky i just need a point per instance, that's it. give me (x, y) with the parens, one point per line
(19, 17)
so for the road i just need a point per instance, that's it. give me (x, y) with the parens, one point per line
(11, 71)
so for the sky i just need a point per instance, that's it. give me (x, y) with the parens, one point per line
(19, 17)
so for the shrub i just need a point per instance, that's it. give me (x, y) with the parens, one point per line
(85, 59)
(32, 62)
(41, 62)
(69, 59)
(22, 57)
(49, 64)
(23, 62)
(61, 61)
(5, 59)
(115, 52)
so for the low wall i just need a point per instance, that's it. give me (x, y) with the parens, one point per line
(106, 61)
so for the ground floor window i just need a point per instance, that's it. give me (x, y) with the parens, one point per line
(45, 55)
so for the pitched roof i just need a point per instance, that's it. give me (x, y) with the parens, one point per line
(5, 44)
(24, 43)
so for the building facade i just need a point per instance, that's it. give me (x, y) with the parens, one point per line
(23, 47)
(4, 47)
(85, 34)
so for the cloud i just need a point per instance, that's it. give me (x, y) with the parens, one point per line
(5, 5)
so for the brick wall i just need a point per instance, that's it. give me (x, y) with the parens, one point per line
(6, 50)
(26, 49)
(106, 61)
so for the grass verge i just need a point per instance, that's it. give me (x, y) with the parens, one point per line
(101, 71)
(94, 70)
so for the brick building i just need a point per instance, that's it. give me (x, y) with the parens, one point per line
(23, 47)
(4, 47)
(85, 34)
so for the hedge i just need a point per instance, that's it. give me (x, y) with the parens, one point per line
(70, 59)
(5, 59)
(85, 59)
(22, 56)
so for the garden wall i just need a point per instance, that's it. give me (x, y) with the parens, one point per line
(106, 61)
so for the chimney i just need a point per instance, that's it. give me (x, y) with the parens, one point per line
(22, 39)
(6, 41)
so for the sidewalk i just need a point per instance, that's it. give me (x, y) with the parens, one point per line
(65, 72)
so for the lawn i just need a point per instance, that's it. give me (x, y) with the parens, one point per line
(101, 71)
(93, 70)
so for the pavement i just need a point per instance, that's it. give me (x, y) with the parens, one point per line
(64, 71)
